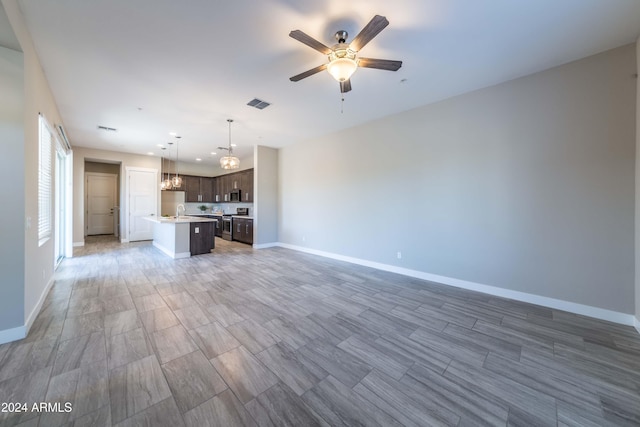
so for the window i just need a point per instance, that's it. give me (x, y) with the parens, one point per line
(44, 182)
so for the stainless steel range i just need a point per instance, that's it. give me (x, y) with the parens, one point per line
(226, 227)
(227, 222)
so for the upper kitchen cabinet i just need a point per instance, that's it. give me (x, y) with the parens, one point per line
(198, 189)
(224, 185)
(221, 189)
(218, 195)
(246, 185)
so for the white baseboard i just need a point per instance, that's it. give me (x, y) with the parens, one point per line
(174, 255)
(36, 309)
(266, 245)
(78, 244)
(124, 240)
(572, 307)
(13, 334)
(21, 332)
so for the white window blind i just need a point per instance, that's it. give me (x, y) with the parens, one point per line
(45, 189)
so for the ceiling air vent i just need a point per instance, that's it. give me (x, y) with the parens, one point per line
(258, 103)
(107, 129)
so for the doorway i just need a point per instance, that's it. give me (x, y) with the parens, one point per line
(101, 198)
(101, 203)
(142, 193)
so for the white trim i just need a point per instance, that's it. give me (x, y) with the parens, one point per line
(36, 310)
(78, 244)
(13, 334)
(572, 307)
(636, 324)
(127, 170)
(169, 252)
(21, 332)
(266, 245)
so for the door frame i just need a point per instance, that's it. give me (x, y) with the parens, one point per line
(63, 204)
(127, 206)
(86, 197)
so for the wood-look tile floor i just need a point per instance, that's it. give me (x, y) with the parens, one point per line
(245, 337)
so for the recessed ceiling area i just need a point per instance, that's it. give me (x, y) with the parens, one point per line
(151, 67)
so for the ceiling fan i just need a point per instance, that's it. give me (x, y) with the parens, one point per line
(343, 56)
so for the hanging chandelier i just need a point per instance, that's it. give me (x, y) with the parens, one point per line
(176, 181)
(229, 161)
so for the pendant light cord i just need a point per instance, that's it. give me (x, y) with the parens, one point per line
(177, 152)
(229, 120)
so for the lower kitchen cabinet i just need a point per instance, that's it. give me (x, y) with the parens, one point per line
(243, 230)
(202, 237)
(218, 226)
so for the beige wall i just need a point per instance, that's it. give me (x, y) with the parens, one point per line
(265, 182)
(526, 186)
(637, 222)
(123, 160)
(39, 260)
(12, 254)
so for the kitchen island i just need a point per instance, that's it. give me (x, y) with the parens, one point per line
(183, 236)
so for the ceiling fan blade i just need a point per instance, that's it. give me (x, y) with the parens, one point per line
(377, 24)
(309, 41)
(308, 73)
(382, 64)
(345, 86)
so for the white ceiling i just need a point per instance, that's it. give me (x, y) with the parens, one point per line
(151, 67)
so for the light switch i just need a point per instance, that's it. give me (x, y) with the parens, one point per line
(197, 230)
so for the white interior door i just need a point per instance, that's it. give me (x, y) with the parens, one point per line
(143, 201)
(101, 199)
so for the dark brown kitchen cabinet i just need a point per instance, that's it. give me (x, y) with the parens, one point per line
(198, 189)
(218, 226)
(243, 230)
(217, 190)
(223, 185)
(202, 237)
(246, 185)
(191, 188)
(206, 189)
(221, 189)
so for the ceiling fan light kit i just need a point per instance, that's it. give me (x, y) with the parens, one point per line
(342, 68)
(343, 57)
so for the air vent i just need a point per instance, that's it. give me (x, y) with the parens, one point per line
(258, 103)
(107, 129)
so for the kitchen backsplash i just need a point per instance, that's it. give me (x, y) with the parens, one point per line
(194, 208)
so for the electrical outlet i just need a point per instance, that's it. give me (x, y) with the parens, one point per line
(197, 230)
(399, 255)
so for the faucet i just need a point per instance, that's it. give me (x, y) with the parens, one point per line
(178, 210)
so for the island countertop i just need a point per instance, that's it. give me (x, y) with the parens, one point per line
(177, 220)
(174, 236)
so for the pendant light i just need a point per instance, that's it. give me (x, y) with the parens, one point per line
(167, 180)
(163, 182)
(176, 181)
(229, 161)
